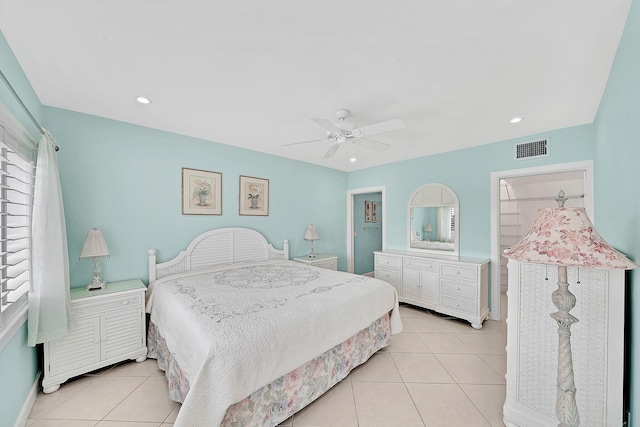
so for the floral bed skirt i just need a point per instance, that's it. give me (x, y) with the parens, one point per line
(277, 401)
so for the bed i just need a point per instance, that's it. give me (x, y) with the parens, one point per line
(425, 244)
(247, 337)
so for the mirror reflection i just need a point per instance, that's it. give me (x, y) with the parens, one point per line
(433, 228)
(433, 220)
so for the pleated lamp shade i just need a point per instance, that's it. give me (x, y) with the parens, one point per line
(94, 246)
(311, 233)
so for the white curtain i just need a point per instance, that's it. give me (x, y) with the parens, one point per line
(49, 294)
(443, 217)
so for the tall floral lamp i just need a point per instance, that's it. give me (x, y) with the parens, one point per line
(311, 234)
(95, 247)
(566, 237)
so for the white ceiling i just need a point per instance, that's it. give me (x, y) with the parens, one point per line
(250, 73)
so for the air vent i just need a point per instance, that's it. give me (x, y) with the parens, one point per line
(527, 150)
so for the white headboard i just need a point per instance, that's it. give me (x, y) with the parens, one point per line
(219, 246)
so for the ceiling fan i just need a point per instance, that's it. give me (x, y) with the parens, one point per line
(344, 131)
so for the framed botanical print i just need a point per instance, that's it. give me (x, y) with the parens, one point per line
(254, 196)
(201, 192)
(367, 211)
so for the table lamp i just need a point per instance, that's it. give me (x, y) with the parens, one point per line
(311, 234)
(95, 247)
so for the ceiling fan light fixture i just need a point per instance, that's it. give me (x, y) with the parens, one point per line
(143, 100)
(353, 160)
(515, 120)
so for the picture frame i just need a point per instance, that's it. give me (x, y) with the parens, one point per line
(374, 211)
(201, 192)
(367, 211)
(254, 196)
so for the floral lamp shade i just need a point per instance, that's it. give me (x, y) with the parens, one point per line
(566, 236)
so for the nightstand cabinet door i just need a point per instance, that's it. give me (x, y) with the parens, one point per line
(79, 348)
(121, 332)
(106, 327)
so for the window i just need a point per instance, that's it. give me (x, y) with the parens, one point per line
(17, 171)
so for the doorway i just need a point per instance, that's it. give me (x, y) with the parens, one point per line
(517, 195)
(365, 228)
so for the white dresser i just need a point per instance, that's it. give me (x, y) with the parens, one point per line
(107, 326)
(457, 287)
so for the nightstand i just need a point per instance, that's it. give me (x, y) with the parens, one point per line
(106, 326)
(321, 260)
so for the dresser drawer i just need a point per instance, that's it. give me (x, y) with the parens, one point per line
(388, 262)
(88, 306)
(457, 289)
(391, 276)
(423, 264)
(459, 304)
(458, 271)
(331, 264)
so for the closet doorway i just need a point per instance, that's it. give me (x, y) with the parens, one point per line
(365, 228)
(517, 196)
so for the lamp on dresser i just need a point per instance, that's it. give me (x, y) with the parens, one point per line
(95, 247)
(311, 234)
(565, 237)
(427, 230)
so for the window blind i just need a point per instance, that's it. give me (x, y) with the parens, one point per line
(17, 171)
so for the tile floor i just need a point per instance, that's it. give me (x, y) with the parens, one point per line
(437, 372)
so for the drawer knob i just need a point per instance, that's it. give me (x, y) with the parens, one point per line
(125, 302)
(457, 271)
(458, 287)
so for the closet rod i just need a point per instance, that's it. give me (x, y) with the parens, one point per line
(24, 107)
(528, 199)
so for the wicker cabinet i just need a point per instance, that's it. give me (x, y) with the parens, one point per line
(106, 326)
(597, 344)
(457, 287)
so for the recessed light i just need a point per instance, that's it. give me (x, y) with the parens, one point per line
(515, 120)
(353, 160)
(143, 100)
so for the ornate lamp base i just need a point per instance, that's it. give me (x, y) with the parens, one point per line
(564, 300)
(97, 282)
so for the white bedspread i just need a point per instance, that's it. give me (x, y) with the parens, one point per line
(234, 329)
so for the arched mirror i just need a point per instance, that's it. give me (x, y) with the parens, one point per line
(433, 220)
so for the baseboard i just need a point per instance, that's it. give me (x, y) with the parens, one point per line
(23, 417)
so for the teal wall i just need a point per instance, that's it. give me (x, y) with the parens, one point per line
(126, 180)
(467, 172)
(18, 362)
(617, 177)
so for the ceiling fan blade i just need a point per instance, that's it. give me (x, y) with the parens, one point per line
(395, 124)
(326, 124)
(332, 150)
(303, 142)
(374, 145)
